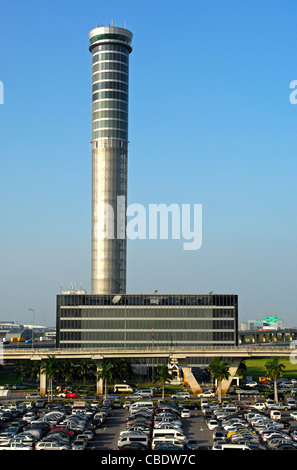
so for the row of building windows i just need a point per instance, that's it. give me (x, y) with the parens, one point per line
(110, 48)
(110, 124)
(147, 325)
(194, 361)
(116, 95)
(110, 56)
(110, 113)
(214, 300)
(120, 76)
(111, 66)
(110, 104)
(143, 338)
(111, 134)
(146, 313)
(108, 85)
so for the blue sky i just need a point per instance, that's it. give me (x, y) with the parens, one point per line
(210, 123)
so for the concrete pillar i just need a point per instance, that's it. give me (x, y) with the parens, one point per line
(188, 376)
(42, 382)
(99, 381)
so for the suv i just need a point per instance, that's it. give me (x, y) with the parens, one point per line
(181, 395)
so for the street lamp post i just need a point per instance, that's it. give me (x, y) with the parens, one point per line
(33, 311)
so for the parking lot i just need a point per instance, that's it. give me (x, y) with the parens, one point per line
(97, 425)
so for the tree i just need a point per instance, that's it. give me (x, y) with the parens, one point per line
(162, 375)
(122, 369)
(219, 371)
(29, 369)
(275, 370)
(50, 367)
(106, 373)
(66, 369)
(86, 368)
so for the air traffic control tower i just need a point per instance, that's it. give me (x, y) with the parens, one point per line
(110, 47)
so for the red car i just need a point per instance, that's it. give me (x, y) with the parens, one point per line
(70, 395)
(62, 431)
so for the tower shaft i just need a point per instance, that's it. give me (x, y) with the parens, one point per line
(110, 48)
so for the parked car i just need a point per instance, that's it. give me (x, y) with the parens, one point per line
(251, 383)
(192, 444)
(207, 394)
(259, 406)
(80, 444)
(33, 396)
(185, 413)
(212, 424)
(43, 445)
(181, 395)
(40, 404)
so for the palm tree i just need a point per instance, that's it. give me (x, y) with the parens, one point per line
(122, 369)
(67, 370)
(275, 370)
(50, 368)
(86, 368)
(162, 375)
(219, 371)
(29, 369)
(106, 373)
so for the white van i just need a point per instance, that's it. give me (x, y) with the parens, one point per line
(141, 404)
(131, 437)
(230, 447)
(275, 414)
(122, 388)
(230, 409)
(170, 433)
(145, 392)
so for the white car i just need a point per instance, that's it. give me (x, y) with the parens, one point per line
(33, 396)
(207, 394)
(251, 384)
(259, 406)
(51, 446)
(185, 413)
(80, 444)
(127, 404)
(212, 424)
(293, 415)
(181, 395)
(29, 417)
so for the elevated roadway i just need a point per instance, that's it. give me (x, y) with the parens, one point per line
(169, 352)
(181, 355)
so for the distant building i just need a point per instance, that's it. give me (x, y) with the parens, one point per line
(16, 333)
(270, 323)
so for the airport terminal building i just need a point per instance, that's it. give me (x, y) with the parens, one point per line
(146, 321)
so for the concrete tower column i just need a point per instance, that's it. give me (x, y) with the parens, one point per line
(110, 48)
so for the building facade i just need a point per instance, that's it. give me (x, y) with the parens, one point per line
(146, 321)
(110, 47)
